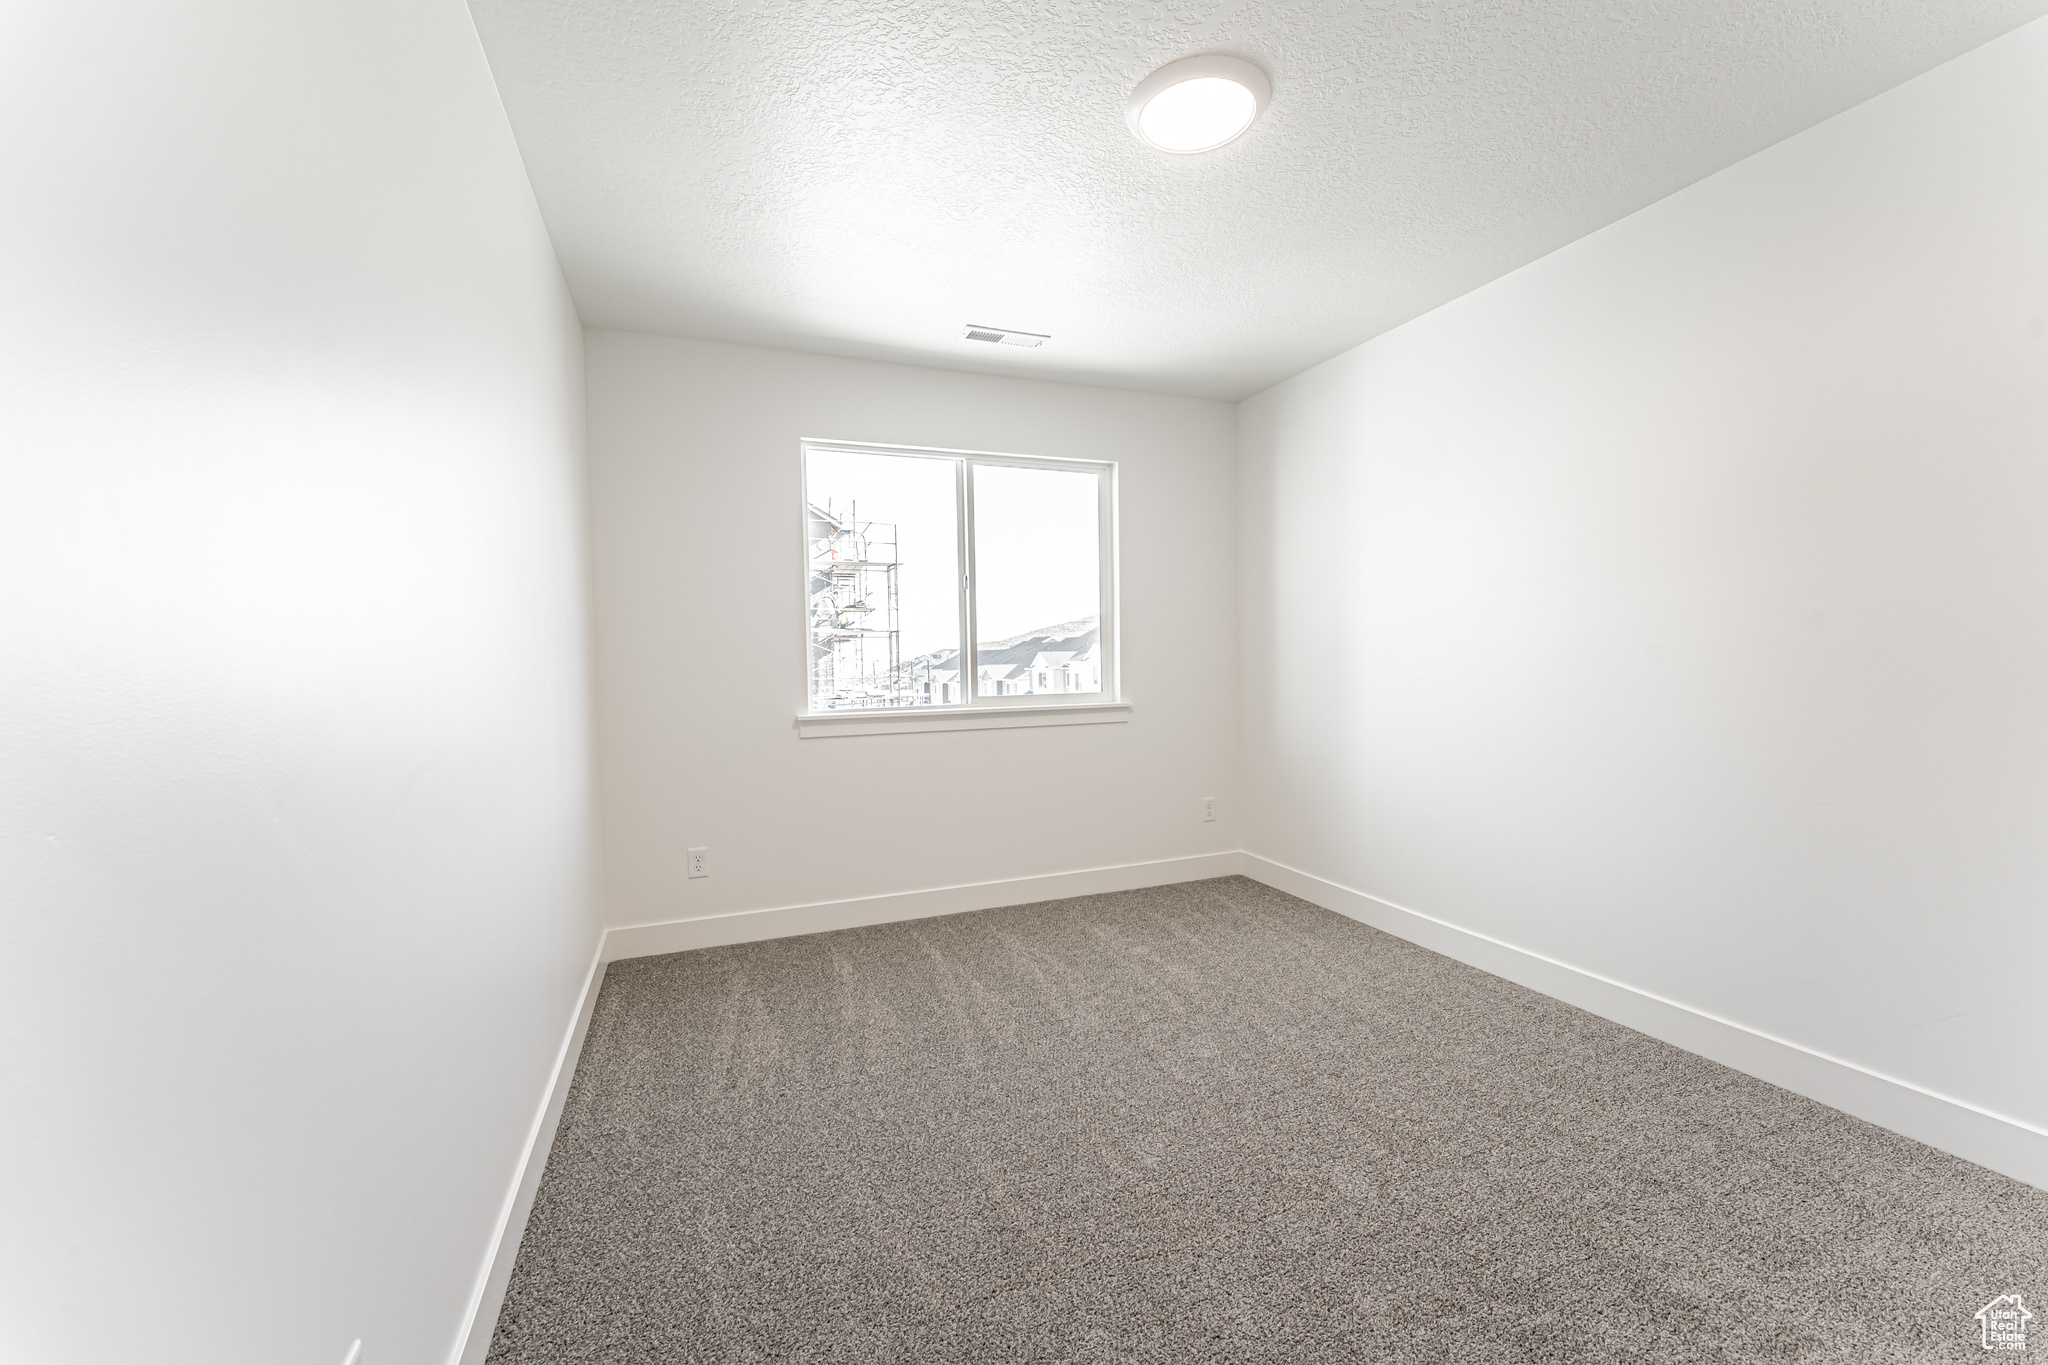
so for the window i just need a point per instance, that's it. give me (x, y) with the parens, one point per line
(948, 579)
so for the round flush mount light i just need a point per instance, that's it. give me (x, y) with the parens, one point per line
(1198, 103)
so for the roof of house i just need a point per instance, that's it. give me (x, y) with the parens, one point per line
(1025, 649)
(1058, 643)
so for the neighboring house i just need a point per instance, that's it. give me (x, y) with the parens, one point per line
(1065, 658)
(1068, 670)
(932, 686)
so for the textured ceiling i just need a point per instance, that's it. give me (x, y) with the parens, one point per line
(864, 176)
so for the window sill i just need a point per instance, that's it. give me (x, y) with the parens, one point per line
(911, 721)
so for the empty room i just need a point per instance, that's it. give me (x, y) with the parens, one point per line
(892, 681)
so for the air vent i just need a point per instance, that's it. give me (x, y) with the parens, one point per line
(1004, 336)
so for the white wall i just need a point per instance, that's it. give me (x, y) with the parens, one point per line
(293, 901)
(698, 612)
(1677, 606)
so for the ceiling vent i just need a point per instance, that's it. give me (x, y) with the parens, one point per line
(999, 334)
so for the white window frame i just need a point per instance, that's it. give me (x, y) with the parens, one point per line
(973, 711)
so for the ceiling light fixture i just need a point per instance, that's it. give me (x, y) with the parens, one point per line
(1197, 104)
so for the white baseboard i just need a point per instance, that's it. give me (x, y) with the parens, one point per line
(746, 926)
(489, 1294)
(2003, 1144)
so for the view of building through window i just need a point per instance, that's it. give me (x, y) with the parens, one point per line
(1061, 658)
(887, 599)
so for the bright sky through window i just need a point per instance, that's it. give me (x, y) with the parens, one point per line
(1036, 554)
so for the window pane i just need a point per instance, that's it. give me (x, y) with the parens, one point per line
(1037, 581)
(884, 555)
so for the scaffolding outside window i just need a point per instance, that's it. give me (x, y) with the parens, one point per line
(954, 579)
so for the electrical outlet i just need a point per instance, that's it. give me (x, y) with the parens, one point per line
(697, 861)
(1208, 808)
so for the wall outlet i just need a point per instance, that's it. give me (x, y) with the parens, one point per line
(697, 861)
(1208, 808)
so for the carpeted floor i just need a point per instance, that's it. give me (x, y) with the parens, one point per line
(1211, 1122)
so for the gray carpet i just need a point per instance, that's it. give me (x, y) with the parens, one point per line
(1211, 1122)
